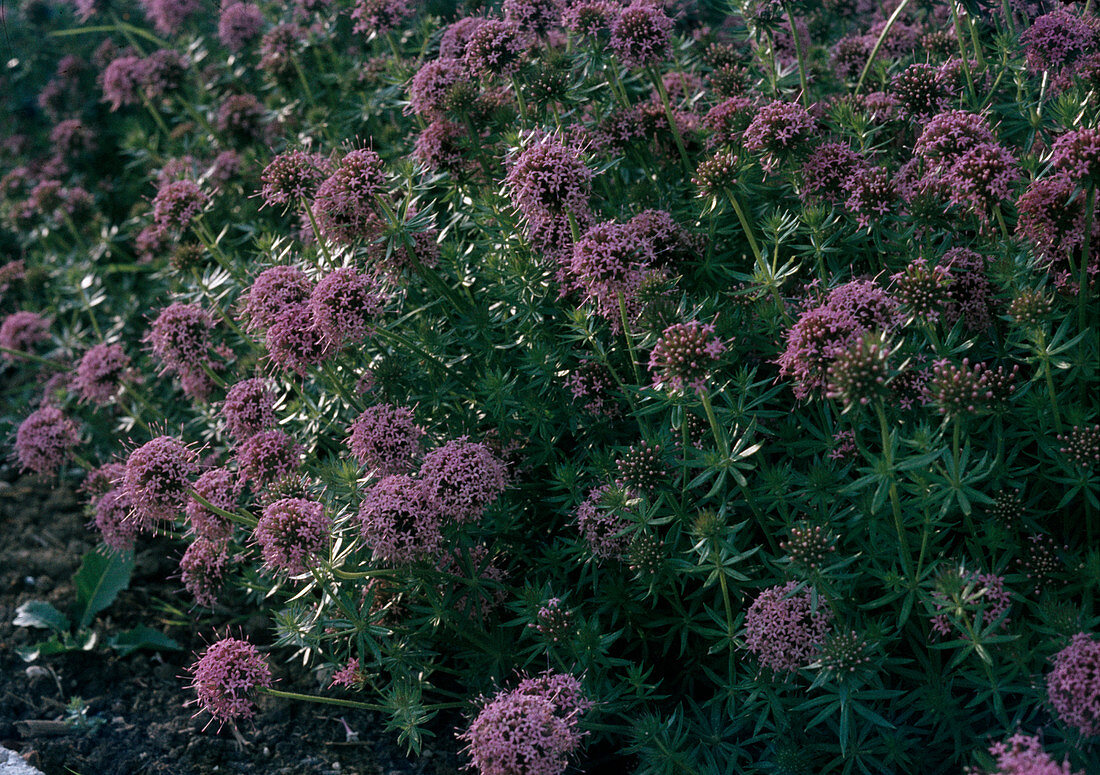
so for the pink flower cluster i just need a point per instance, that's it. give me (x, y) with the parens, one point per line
(291, 533)
(45, 440)
(785, 629)
(386, 438)
(530, 730)
(685, 355)
(226, 677)
(1073, 685)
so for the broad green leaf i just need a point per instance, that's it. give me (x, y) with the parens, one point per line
(100, 578)
(142, 637)
(39, 613)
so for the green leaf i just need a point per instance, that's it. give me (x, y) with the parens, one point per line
(142, 637)
(38, 613)
(43, 649)
(100, 578)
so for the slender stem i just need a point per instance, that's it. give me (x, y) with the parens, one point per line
(964, 59)
(878, 43)
(32, 357)
(318, 237)
(325, 700)
(895, 501)
(799, 55)
(1086, 255)
(719, 442)
(233, 516)
(745, 226)
(519, 99)
(156, 116)
(673, 126)
(1041, 348)
(629, 340)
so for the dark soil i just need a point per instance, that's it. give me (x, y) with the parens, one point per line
(135, 720)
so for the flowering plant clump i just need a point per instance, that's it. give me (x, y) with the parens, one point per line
(737, 361)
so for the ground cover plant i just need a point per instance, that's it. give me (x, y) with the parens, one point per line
(662, 387)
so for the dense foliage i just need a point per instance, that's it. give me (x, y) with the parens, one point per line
(677, 387)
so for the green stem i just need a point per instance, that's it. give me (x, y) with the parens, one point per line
(799, 55)
(1041, 349)
(719, 441)
(325, 700)
(878, 43)
(673, 126)
(318, 237)
(745, 225)
(1083, 274)
(233, 516)
(32, 357)
(964, 59)
(895, 501)
(519, 99)
(629, 340)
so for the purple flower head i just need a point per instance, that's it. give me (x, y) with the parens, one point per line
(22, 331)
(112, 520)
(202, 570)
(603, 529)
(249, 407)
(177, 203)
(239, 25)
(101, 372)
(157, 479)
(292, 177)
(169, 15)
(241, 118)
(1055, 41)
(1073, 685)
(122, 80)
(830, 170)
(101, 480)
(549, 177)
(440, 146)
(225, 678)
(294, 342)
(1082, 445)
(972, 295)
(861, 373)
(925, 290)
(531, 730)
(71, 137)
(268, 456)
(778, 129)
(453, 43)
(351, 675)
(343, 305)
(220, 488)
(965, 389)
(671, 243)
(274, 290)
(533, 17)
(685, 355)
(642, 34)
(163, 71)
(728, 120)
(610, 262)
(1024, 755)
(345, 202)
(180, 337)
(399, 523)
(278, 48)
(380, 16)
(591, 386)
(982, 177)
(641, 468)
(1051, 216)
(872, 194)
(922, 90)
(386, 439)
(291, 532)
(44, 441)
(1078, 155)
(461, 478)
(785, 629)
(590, 17)
(494, 47)
(949, 135)
(821, 333)
(432, 86)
